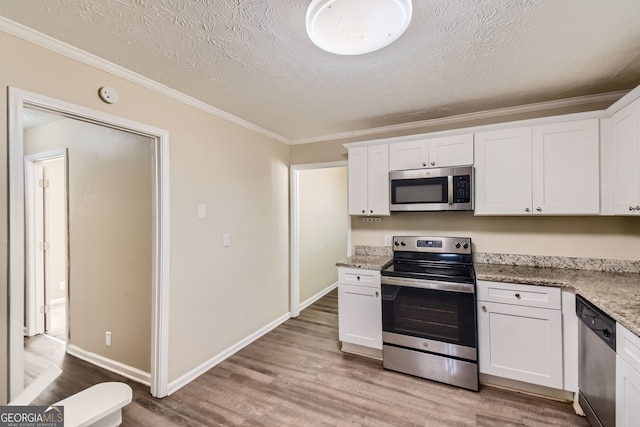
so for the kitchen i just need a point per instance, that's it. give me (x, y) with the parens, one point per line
(528, 334)
(195, 165)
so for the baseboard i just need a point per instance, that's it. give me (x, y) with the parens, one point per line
(126, 371)
(185, 379)
(317, 296)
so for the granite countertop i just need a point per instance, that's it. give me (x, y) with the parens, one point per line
(617, 294)
(370, 262)
(369, 257)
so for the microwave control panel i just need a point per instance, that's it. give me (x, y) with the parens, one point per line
(462, 189)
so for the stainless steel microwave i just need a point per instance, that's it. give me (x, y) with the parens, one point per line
(439, 189)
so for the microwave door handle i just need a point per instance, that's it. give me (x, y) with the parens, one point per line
(450, 189)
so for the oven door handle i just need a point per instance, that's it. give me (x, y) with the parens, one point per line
(468, 288)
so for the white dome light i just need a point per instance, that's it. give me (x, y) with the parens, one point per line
(354, 27)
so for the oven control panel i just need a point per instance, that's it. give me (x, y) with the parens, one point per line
(452, 245)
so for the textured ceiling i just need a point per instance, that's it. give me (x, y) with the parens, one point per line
(253, 59)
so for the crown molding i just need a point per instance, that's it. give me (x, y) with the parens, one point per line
(462, 118)
(18, 30)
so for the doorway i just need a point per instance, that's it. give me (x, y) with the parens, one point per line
(46, 266)
(157, 252)
(320, 230)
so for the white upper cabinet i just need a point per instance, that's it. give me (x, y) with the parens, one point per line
(566, 166)
(503, 172)
(431, 153)
(368, 175)
(543, 170)
(624, 170)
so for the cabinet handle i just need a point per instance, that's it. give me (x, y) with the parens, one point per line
(484, 308)
(518, 296)
(377, 293)
(363, 211)
(539, 209)
(631, 208)
(358, 277)
(527, 210)
(433, 163)
(424, 164)
(638, 208)
(371, 211)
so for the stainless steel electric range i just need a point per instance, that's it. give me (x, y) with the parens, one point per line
(429, 310)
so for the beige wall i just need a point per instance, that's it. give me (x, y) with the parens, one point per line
(329, 151)
(323, 227)
(110, 236)
(583, 237)
(218, 295)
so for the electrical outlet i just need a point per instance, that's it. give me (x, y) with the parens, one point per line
(371, 219)
(63, 284)
(226, 239)
(387, 240)
(107, 338)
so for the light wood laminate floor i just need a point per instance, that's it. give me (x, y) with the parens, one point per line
(297, 376)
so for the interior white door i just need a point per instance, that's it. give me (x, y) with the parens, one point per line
(55, 253)
(38, 270)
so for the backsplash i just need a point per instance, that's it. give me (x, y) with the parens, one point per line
(594, 264)
(573, 263)
(373, 251)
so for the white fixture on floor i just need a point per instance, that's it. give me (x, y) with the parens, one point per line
(354, 27)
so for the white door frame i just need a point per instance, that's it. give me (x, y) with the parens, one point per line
(18, 99)
(294, 177)
(33, 294)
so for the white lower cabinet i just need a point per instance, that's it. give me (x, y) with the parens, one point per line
(359, 307)
(627, 378)
(520, 333)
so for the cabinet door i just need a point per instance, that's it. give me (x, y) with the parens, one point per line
(503, 172)
(520, 343)
(566, 168)
(627, 394)
(625, 168)
(357, 180)
(360, 315)
(408, 155)
(451, 151)
(378, 180)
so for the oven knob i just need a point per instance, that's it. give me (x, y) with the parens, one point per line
(465, 246)
(457, 245)
(403, 244)
(397, 243)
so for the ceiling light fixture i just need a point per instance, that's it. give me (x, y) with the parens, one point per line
(354, 27)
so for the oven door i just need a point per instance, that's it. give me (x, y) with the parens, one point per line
(431, 319)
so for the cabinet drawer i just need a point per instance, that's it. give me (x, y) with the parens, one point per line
(526, 295)
(628, 346)
(358, 277)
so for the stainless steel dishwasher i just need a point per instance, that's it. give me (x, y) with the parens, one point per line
(597, 364)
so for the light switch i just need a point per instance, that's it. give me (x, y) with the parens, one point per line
(202, 211)
(226, 239)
